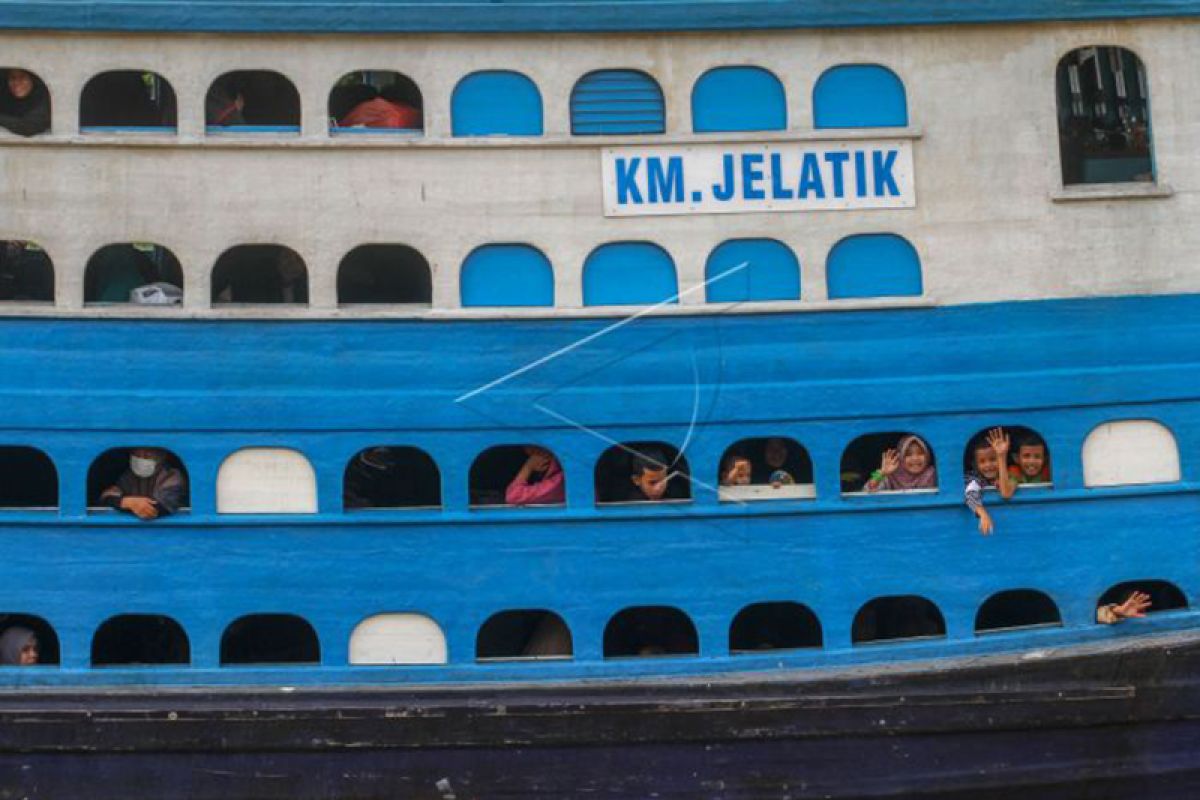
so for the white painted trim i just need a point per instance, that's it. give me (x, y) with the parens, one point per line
(398, 639)
(1112, 191)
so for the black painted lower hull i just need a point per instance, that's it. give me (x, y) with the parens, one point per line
(1102, 721)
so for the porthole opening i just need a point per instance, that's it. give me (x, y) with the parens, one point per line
(144, 274)
(1164, 596)
(270, 639)
(766, 468)
(375, 100)
(533, 634)
(384, 273)
(901, 617)
(24, 102)
(160, 478)
(774, 626)
(387, 476)
(1027, 461)
(1017, 608)
(127, 99)
(517, 475)
(28, 479)
(140, 639)
(259, 274)
(642, 472)
(253, 100)
(26, 273)
(27, 641)
(889, 462)
(650, 631)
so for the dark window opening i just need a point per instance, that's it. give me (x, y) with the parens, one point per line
(1017, 608)
(259, 273)
(145, 274)
(903, 617)
(375, 99)
(24, 102)
(113, 468)
(140, 639)
(270, 639)
(1164, 596)
(876, 463)
(1104, 127)
(774, 626)
(255, 99)
(648, 631)
(523, 634)
(127, 99)
(765, 468)
(517, 475)
(642, 472)
(392, 477)
(26, 272)
(10, 644)
(385, 273)
(1028, 459)
(28, 479)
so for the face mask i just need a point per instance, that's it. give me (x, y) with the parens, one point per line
(142, 467)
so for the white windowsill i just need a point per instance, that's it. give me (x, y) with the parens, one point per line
(1111, 191)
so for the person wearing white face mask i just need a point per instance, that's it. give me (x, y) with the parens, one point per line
(150, 488)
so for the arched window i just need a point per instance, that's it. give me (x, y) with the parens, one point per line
(774, 626)
(1164, 596)
(266, 480)
(1027, 462)
(873, 265)
(738, 99)
(766, 468)
(28, 479)
(140, 639)
(270, 639)
(517, 475)
(375, 100)
(146, 274)
(911, 464)
(1017, 608)
(534, 634)
(496, 103)
(647, 631)
(127, 99)
(252, 101)
(902, 617)
(615, 101)
(384, 273)
(26, 272)
(111, 478)
(1104, 131)
(641, 472)
(629, 273)
(1130, 452)
(259, 273)
(45, 636)
(24, 102)
(859, 96)
(387, 476)
(507, 275)
(741, 270)
(398, 639)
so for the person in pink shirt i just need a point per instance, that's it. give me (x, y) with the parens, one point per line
(540, 480)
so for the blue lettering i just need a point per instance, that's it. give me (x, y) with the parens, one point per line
(860, 173)
(627, 187)
(837, 160)
(752, 175)
(725, 192)
(778, 190)
(668, 187)
(810, 177)
(883, 172)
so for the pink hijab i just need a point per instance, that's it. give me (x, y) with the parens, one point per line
(902, 480)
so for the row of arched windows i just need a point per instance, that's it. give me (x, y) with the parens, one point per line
(540, 635)
(500, 102)
(492, 275)
(278, 480)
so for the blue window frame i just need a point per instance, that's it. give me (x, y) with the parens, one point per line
(507, 275)
(738, 99)
(628, 273)
(873, 265)
(496, 103)
(617, 101)
(771, 271)
(859, 96)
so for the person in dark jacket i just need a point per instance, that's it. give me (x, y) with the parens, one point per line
(150, 488)
(24, 104)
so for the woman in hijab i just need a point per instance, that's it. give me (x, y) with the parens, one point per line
(24, 104)
(18, 647)
(904, 468)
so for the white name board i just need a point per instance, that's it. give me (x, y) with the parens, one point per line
(775, 176)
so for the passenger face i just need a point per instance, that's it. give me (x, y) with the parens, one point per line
(915, 459)
(987, 462)
(20, 83)
(741, 472)
(652, 482)
(1031, 458)
(143, 461)
(776, 453)
(29, 653)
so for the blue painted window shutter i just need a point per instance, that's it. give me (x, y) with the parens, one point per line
(617, 101)
(496, 103)
(507, 275)
(771, 272)
(628, 273)
(738, 99)
(859, 96)
(873, 265)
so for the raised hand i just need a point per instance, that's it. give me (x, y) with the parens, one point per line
(890, 463)
(1134, 606)
(998, 441)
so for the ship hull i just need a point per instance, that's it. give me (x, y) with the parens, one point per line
(1099, 720)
